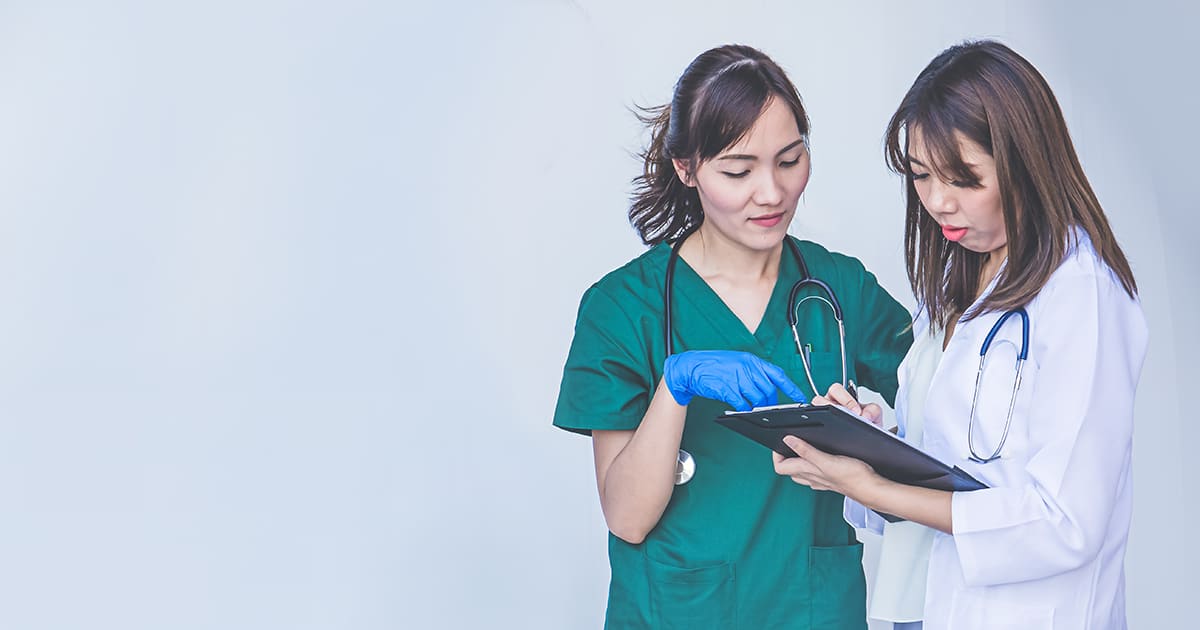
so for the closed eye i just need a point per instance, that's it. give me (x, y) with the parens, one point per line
(735, 175)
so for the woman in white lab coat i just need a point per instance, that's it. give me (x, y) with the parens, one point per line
(1000, 216)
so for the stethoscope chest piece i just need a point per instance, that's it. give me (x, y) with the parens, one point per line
(685, 468)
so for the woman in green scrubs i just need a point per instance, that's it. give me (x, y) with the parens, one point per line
(736, 546)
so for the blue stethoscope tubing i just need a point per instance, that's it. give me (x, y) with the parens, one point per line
(1024, 354)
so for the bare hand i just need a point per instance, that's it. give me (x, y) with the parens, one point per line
(838, 395)
(822, 471)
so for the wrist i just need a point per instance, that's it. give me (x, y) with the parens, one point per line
(680, 399)
(679, 392)
(873, 491)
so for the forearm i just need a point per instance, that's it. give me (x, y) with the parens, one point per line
(636, 487)
(931, 508)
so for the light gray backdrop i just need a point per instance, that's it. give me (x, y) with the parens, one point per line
(286, 288)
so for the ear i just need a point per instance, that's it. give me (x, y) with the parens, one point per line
(681, 169)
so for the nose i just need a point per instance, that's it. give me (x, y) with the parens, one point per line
(939, 198)
(769, 189)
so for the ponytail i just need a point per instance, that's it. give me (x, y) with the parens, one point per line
(663, 207)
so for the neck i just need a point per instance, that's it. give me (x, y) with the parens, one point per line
(991, 266)
(994, 260)
(712, 254)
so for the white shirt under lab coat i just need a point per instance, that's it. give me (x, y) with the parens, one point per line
(1044, 545)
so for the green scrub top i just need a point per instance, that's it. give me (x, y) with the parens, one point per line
(738, 546)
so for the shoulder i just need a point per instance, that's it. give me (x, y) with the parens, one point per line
(1084, 306)
(636, 280)
(845, 273)
(1083, 266)
(644, 273)
(1085, 287)
(822, 261)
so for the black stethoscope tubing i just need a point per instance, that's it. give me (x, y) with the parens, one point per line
(685, 465)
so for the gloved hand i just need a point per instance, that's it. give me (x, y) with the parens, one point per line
(739, 379)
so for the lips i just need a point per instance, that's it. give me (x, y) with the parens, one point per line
(767, 220)
(953, 234)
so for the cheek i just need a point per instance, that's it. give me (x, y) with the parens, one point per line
(994, 210)
(799, 181)
(795, 179)
(722, 196)
(922, 189)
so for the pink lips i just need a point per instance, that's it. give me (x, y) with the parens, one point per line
(770, 220)
(953, 234)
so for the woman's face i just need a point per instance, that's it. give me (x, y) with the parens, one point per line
(970, 212)
(750, 190)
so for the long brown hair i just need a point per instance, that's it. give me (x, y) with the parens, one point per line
(716, 101)
(992, 96)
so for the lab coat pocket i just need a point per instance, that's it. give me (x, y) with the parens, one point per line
(702, 597)
(981, 611)
(838, 595)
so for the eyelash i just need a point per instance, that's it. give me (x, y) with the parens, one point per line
(747, 172)
(956, 183)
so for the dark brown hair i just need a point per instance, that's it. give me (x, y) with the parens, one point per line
(716, 101)
(992, 96)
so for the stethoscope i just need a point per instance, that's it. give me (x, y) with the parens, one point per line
(987, 343)
(685, 466)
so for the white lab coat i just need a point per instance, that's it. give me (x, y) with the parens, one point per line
(1044, 545)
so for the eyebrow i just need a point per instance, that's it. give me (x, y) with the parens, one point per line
(742, 156)
(920, 163)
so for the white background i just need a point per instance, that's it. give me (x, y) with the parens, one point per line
(286, 288)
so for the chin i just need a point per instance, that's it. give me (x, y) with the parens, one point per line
(766, 240)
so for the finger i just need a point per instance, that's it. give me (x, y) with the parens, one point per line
(820, 400)
(805, 450)
(838, 394)
(757, 389)
(769, 397)
(874, 413)
(740, 404)
(779, 379)
(797, 466)
(719, 390)
(801, 480)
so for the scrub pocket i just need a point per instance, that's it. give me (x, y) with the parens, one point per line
(838, 595)
(692, 597)
(826, 368)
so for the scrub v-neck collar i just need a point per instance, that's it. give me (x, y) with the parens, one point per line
(710, 305)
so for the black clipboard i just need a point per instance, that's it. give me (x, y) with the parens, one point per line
(836, 430)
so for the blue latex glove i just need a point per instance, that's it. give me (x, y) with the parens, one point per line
(739, 379)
